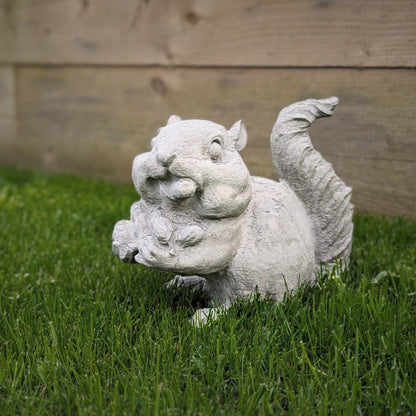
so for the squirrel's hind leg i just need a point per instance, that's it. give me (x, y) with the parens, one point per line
(202, 316)
(191, 282)
(205, 316)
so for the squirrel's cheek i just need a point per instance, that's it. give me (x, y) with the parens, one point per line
(178, 189)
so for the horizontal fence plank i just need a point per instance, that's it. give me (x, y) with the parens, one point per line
(352, 33)
(380, 185)
(94, 121)
(7, 115)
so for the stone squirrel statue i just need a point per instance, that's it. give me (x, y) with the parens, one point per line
(203, 216)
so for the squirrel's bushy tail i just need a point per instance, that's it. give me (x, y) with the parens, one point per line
(325, 196)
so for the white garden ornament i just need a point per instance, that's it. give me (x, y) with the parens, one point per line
(203, 216)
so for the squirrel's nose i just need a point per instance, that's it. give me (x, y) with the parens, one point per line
(165, 159)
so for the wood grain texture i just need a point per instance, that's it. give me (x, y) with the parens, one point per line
(7, 115)
(352, 33)
(94, 122)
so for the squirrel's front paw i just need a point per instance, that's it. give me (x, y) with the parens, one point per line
(124, 242)
(125, 252)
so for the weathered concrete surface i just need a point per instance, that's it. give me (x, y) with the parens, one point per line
(201, 214)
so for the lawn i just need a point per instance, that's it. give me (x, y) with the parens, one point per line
(83, 333)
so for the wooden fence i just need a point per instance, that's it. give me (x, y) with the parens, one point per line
(85, 84)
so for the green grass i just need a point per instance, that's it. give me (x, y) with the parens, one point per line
(83, 333)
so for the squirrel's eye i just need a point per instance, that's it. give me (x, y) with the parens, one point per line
(214, 151)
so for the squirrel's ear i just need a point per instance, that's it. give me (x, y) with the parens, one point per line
(238, 133)
(173, 119)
